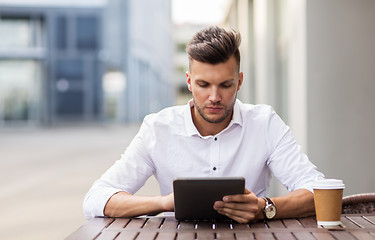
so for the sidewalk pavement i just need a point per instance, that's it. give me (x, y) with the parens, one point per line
(45, 173)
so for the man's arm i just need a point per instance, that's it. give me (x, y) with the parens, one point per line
(123, 204)
(247, 207)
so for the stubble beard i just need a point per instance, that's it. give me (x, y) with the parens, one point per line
(228, 111)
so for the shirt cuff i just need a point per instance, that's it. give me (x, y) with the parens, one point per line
(96, 200)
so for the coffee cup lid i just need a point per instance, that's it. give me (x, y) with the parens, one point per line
(329, 184)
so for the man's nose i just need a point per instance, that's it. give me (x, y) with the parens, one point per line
(214, 95)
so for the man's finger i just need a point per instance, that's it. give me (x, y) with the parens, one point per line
(237, 206)
(239, 198)
(239, 216)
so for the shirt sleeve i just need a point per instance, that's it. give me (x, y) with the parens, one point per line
(127, 174)
(286, 161)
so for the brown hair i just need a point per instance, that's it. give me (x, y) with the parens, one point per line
(214, 45)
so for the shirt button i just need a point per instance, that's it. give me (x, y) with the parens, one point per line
(215, 138)
(214, 168)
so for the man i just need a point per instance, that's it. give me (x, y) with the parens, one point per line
(213, 135)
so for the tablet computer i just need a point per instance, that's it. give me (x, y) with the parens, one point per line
(194, 198)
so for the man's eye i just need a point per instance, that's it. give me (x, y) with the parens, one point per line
(227, 85)
(202, 85)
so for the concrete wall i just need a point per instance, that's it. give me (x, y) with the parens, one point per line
(340, 90)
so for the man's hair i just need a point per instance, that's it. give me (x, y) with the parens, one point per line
(214, 45)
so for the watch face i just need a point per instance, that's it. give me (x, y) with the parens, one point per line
(270, 211)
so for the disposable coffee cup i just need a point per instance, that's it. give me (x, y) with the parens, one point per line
(328, 201)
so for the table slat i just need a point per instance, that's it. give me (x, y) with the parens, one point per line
(205, 235)
(225, 235)
(362, 222)
(119, 223)
(304, 236)
(185, 236)
(136, 223)
(153, 223)
(127, 235)
(264, 236)
(222, 225)
(187, 225)
(323, 236)
(371, 218)
(146, 236)
(169, 223)
(239, 226)
(292, 223)
(166, 236)
(204, 225)
(258, 225)
(348, 224)
(244, 236)
(362, 235)
(91, 229)
(308, 222)
(284, 236)
(342, 235)
(109, 235)
(275, 224)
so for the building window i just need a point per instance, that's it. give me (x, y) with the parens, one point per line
(61, 33)
(87, 35)
(19, 91)
(20, 33)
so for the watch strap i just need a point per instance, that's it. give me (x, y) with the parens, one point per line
(268, 201)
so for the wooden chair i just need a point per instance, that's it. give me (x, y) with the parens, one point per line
(359, 203)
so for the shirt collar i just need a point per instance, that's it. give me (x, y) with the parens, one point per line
(191, 130)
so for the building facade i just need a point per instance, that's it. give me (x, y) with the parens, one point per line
(50, 69)
(314, 62)
(84, 63)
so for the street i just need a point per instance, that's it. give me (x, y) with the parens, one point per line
(45, 173)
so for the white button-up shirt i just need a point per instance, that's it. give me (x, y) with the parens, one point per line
(255, 144)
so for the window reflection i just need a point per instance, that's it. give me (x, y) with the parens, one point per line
(20, 33)
(19, 90)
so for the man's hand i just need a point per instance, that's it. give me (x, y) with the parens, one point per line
(242, 208)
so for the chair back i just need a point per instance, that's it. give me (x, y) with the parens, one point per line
(359, 203)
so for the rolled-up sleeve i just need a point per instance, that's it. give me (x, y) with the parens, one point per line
(286, 162)
(127, 174)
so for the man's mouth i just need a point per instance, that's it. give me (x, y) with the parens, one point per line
(214, 109)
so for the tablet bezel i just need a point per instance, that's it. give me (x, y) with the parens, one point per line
(194, 197)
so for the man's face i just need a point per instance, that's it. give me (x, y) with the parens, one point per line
(214, 89)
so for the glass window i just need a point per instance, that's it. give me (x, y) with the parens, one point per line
(20, 33)
(70, 103)
(87, 35)
(19, 90)
(71, 69)
(61, 32)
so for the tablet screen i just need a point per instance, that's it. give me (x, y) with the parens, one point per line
(194, 198)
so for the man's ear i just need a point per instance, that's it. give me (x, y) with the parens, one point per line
(240, 80)
(188, 80)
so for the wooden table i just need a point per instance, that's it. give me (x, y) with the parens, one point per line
(354, 227)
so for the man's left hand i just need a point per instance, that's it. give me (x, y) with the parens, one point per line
(242, 208)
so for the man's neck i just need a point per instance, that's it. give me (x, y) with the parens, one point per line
(206, 128)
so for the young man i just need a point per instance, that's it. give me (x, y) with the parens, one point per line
(213, 135)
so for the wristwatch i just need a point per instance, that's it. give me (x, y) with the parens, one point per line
(269, 209)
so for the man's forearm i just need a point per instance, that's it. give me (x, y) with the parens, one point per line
(299, 203)
(123, 204)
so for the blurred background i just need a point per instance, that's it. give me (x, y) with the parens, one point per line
(77, 78)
